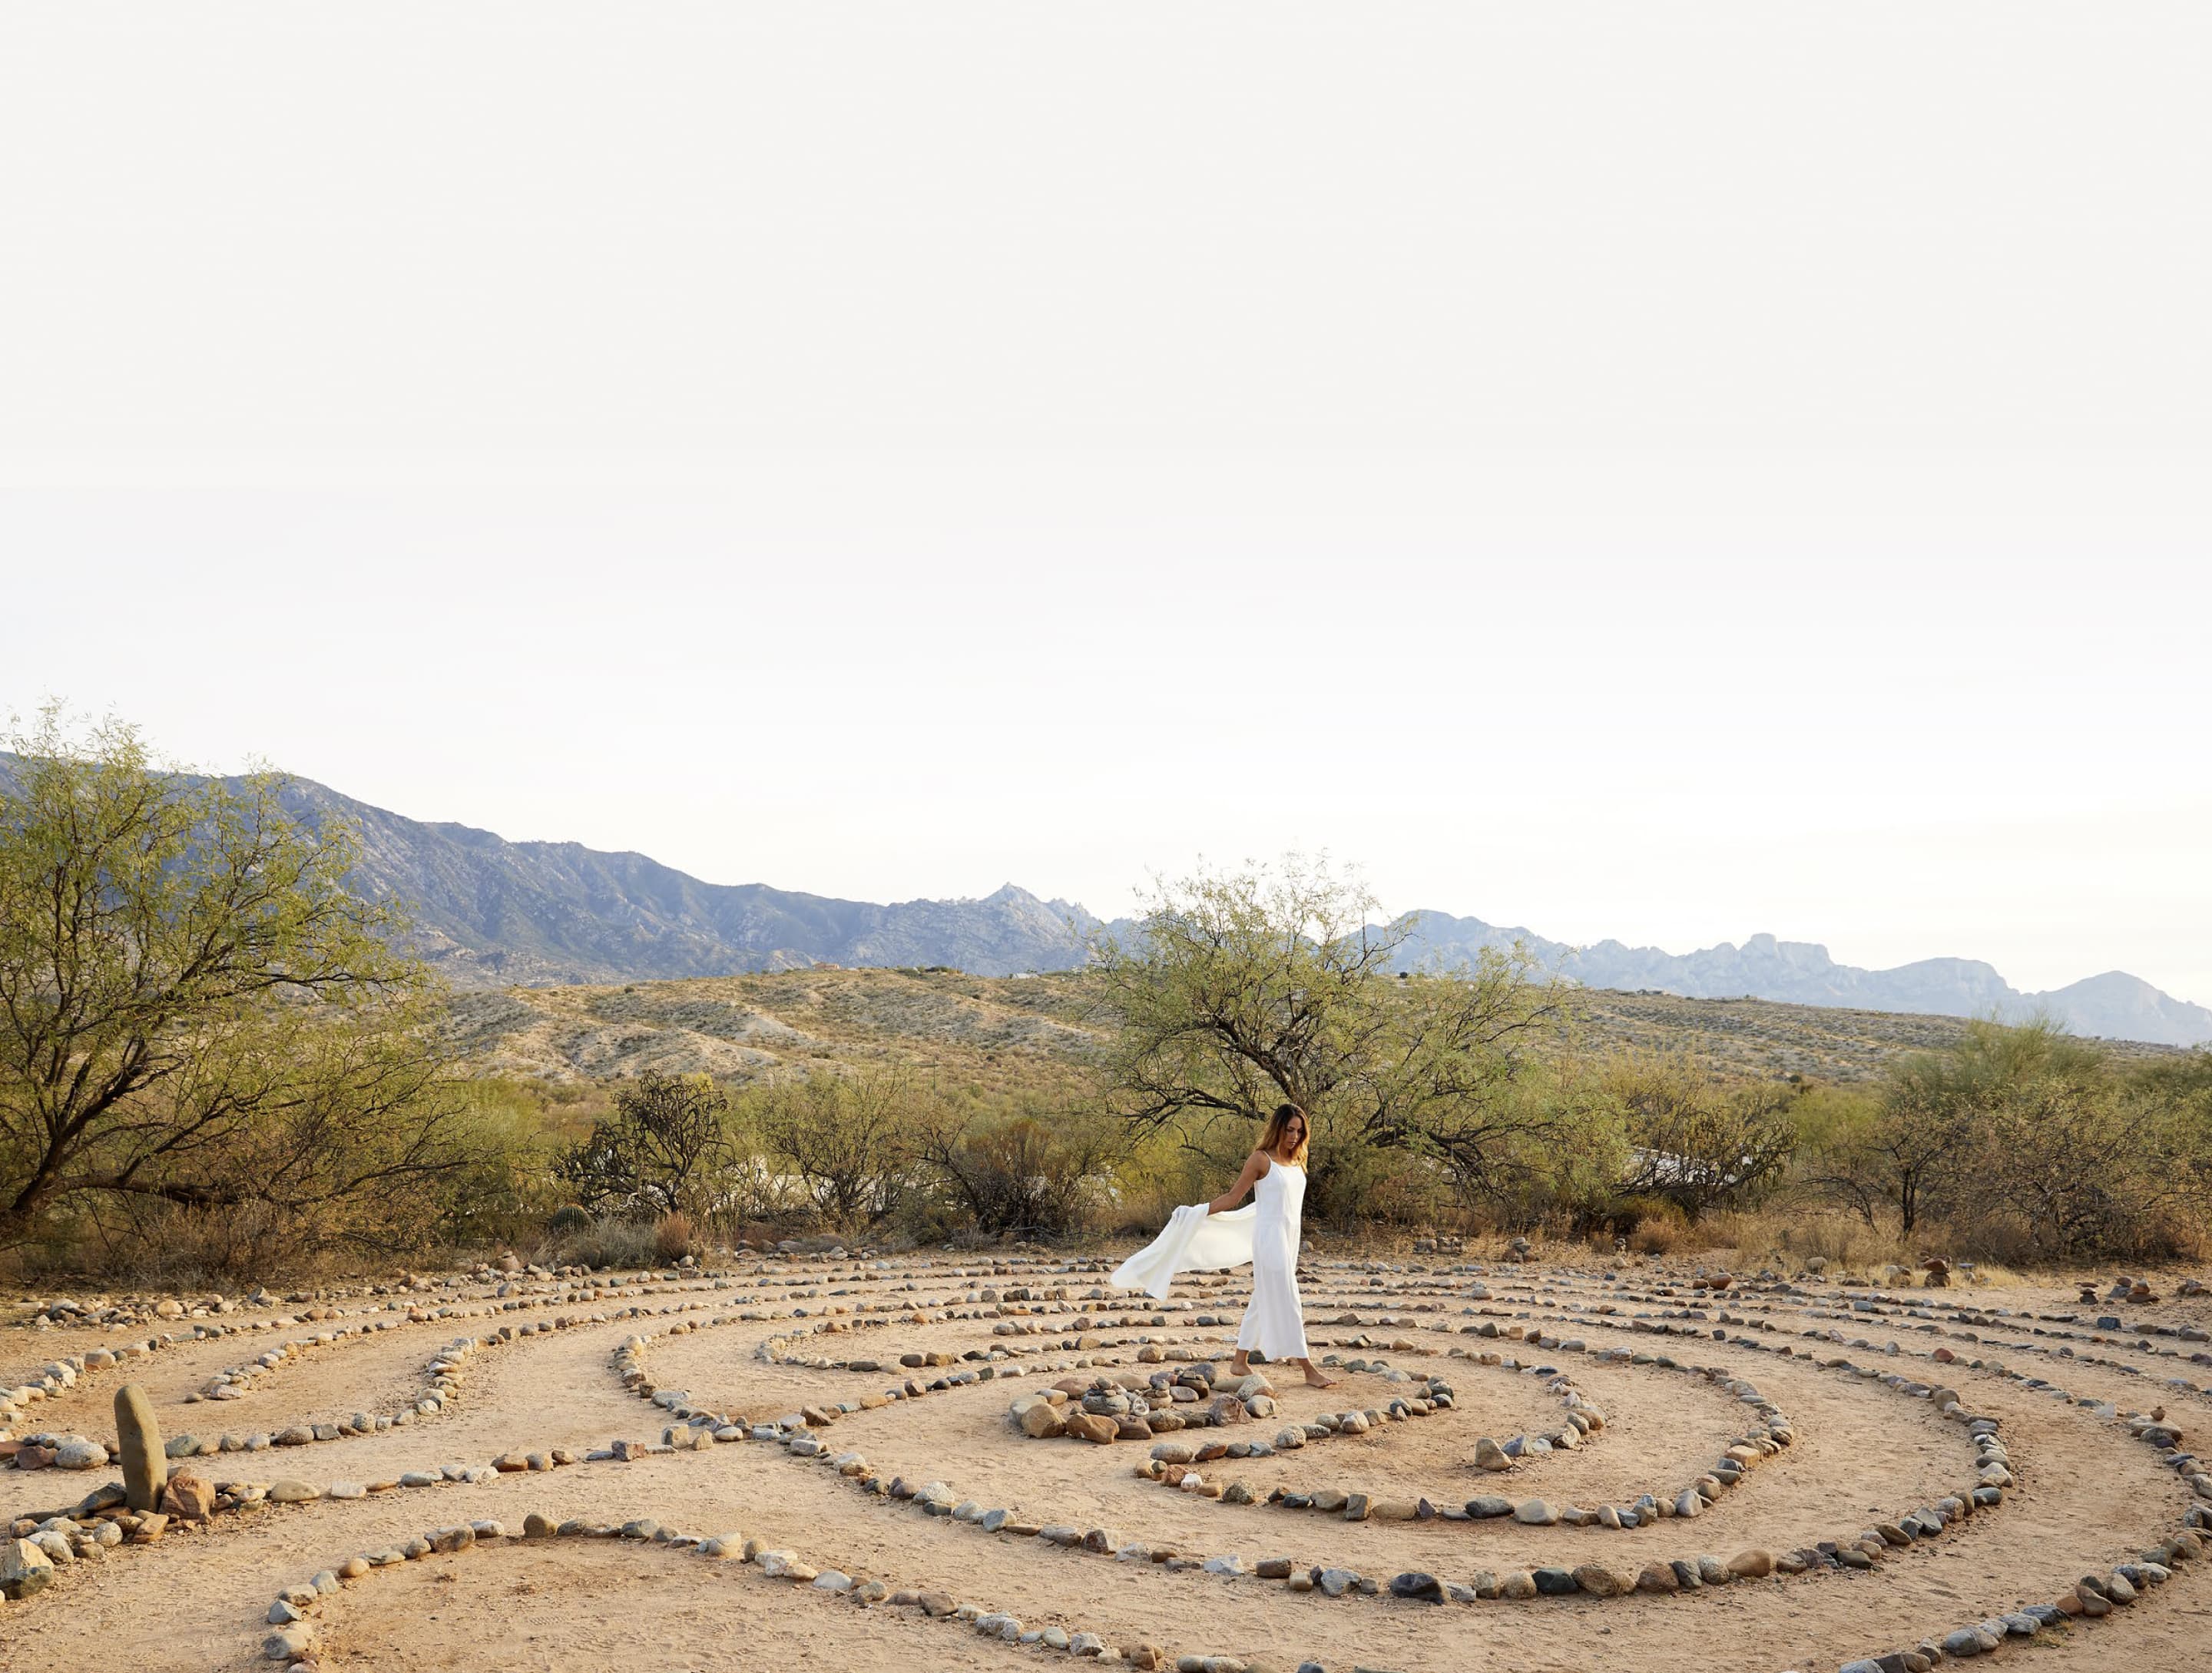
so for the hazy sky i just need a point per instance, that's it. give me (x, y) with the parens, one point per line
(1660, 471)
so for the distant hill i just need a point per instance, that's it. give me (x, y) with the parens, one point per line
(1041, 1033)
(491, 913)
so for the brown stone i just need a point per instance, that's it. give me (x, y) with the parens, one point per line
(1599, 1581)
(189, 1497)
(1041, 1419)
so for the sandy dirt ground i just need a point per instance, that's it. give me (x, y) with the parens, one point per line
(2087, 1494)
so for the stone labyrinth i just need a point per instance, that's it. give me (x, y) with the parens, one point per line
(842, 1461)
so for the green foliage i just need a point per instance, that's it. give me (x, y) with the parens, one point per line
(2030, 1145)
(845, 1138)
(666, 1150)
(1027, 1173)
(1697, 1143)
(197, 1017)
(1243, 989)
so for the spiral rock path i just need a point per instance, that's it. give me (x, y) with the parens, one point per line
(1521, 1467)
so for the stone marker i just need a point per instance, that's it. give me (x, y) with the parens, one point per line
(145, 1460)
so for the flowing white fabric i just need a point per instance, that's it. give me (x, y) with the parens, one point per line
(1266, 1233)
(1193, 1241)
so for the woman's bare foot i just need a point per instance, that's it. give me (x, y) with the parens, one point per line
(1240, 1366)
(1314, 1379)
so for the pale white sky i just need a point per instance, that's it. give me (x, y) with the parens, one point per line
(1655, 472)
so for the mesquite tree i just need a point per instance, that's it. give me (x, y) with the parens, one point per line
(194, 1009)
(1239, 990)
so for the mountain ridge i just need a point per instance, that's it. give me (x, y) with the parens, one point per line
(2114, 1004)
(491, 913)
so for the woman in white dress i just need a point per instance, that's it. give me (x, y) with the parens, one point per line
(1275, 1319)
(1210, 1236)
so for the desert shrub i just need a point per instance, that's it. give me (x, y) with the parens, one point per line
(1560, 1171)
(1022, 1175)
(163, 1245)
(844, 1138)
(664, 1151)
(2024, 1145)
(610, 1241)
(1657, 1233)
(672, 1238)
(567, 1219)
(1699, 1142)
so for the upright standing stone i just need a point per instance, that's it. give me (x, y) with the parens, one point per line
(145, 1461)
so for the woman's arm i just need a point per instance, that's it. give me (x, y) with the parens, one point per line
(1254, 1166)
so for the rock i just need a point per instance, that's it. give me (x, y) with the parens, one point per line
(1537, 1513)
(1657, 1577)
(79, 1454)
(1090, 1426)
(1488, 1454)
(1039, 1418)
(1599, 1581)
(289, 1643)
(293, 1493)
(189, 1496)
(1417, 1586)
(1753, 1565)
(145, 1459)
(24, 1569)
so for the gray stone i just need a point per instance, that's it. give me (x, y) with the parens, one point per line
(145, 1459)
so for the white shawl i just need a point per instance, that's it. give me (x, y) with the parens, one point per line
(1193, 1241)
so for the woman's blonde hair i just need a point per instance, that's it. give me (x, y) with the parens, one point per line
(1276, 1122)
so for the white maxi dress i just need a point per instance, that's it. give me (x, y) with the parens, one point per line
(1266, 1233)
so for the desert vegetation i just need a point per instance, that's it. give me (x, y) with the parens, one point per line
(216, 1059)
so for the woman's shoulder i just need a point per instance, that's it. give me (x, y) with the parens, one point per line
(1261, 1157)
